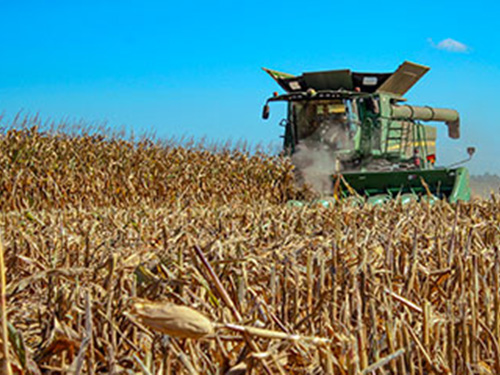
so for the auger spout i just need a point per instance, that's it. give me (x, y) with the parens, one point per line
(448, 116)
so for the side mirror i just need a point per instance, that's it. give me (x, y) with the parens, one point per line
(265, 112)
(372, 105)
(471, 151)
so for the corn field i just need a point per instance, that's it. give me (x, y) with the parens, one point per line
(54, 170)
(148, 258)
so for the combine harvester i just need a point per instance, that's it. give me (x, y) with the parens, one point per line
(376, 145)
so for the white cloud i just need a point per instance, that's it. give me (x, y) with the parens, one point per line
(451, 45)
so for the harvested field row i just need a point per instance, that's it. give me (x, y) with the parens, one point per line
(395, 289)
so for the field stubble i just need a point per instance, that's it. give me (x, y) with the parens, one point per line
(374, 290)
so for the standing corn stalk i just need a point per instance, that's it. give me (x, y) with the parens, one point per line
(5, 366)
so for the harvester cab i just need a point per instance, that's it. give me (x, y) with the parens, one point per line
(377, 144)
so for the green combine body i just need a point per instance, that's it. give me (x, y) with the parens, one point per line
(377, 145)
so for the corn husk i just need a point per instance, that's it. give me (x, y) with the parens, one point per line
(171, 319)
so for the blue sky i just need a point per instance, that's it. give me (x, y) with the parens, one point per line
(193, 68)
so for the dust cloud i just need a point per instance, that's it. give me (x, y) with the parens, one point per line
(317, 156)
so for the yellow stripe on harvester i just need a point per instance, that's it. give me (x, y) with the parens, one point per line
(414, 144)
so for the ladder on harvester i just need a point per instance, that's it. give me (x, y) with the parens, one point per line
(397, 138)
